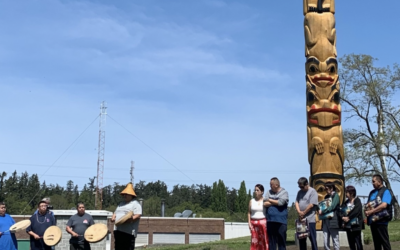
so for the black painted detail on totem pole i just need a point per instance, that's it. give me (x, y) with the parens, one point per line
(310, 97)
(312, 159)
(340, 157)
(333, 86)
(331, 60)
(327, 176)
(319, 8)
(336, 97)
(312, 60)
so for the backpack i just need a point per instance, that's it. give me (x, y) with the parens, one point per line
(389, 207)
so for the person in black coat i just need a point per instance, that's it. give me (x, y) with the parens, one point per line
(353, 221)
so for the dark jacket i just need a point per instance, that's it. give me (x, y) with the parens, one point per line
(335, 207)
(356, 212)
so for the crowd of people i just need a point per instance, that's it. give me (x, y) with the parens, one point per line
(268, 216)
(124, 234)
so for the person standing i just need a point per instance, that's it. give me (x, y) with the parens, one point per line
(76, 226)
(306, 203)
(47, 200)
(125, 233)
(257, 221)
(330, 226)
(379, 228)
(276, 201)
(353, 205)
(40, 221)
(8, 241)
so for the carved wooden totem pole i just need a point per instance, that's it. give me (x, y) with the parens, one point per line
(324, 130)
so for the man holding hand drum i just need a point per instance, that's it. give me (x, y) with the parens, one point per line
(76, 226)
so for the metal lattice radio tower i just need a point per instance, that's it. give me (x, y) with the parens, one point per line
(100, 159)
(131, 172)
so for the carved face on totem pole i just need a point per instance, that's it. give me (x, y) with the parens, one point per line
(325, 140)
(320, 181)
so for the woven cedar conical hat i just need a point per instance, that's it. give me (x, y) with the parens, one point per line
(23, 224)
(52, 236)
(129, 190)
(96, 232)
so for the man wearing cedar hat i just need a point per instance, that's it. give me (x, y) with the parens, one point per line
(127, 217)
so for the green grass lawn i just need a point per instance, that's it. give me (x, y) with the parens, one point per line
(244, 242)
(394, 232)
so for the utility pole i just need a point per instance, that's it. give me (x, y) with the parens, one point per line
(100, 158)
(132, 169)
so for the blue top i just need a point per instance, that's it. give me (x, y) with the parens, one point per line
(7, 239)
(39, 224)
(387, 197)
(278, 213)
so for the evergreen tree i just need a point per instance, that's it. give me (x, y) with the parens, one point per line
(87, 197)
(152, 206)
(107, 196)
(242, 200)
(2, 176)
(222, 207)
(249, 197)
(76, 195)
(33, 190)
(214, 197)
(232, 197)
(204, 193)
(68, 195)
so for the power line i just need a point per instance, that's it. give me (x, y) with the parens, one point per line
(58, 159)
(162, 157)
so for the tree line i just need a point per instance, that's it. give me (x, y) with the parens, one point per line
(22, 192)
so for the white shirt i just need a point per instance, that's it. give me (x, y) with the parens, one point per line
(257, 209)
(122, 209)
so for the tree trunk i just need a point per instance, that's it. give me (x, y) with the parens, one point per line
(396, 208)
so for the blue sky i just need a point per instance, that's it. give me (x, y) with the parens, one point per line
(215, 87)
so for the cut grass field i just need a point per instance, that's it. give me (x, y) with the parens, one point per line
(394, 232)
(244, 242)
